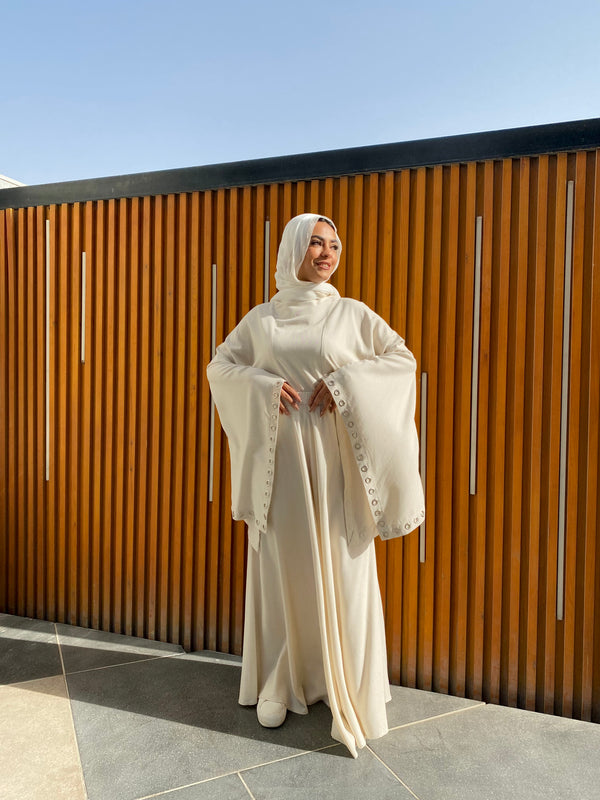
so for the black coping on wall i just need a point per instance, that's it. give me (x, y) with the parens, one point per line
(514, 142)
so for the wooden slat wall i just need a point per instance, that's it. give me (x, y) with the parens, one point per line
(123, 536)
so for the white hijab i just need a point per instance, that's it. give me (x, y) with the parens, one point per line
(292, 249)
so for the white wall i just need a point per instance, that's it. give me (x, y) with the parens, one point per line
(9, 183)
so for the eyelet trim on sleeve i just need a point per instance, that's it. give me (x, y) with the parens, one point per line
(385, 530)
(269, 460)
(257, 517)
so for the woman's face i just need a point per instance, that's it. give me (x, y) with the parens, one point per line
(322, 255)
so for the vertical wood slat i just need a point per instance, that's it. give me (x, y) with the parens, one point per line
(574, 444)
(564, 403)
(478, 506)
(475, 359)
(497, 431)
(47, 339)
(21, 406)
(130, 286)
(461, 426)
(190, 414)
(7, 597)
(32, 473)
(533, 416)
(132, 543)
(144, 417)
(72, 426)
(444, 445)
(85, 452)
(429, 365)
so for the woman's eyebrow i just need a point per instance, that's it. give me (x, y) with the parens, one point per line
(322, 239)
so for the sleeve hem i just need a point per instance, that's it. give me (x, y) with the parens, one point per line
(385, 529)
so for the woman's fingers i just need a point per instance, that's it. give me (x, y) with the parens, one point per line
(294, 394)
(288, 395)
(320, 391)
(321, 398)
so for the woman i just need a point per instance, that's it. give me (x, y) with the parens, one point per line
(316, 394)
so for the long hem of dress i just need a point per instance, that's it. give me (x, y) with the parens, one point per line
(341, 739)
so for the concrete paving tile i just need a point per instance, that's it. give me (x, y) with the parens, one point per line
(228, 788)
(28, 649)
(38, 756)
(155, 725)
(331, 774)
(491, 752)
(413, 705)
(83, 648)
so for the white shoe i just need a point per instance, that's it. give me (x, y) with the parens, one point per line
(270, 713)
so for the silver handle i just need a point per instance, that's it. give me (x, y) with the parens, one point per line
(475, 361)
(83, 270)
(423, 459)
(267, 264)
(564, 407)
(213, 341)
(47, 349)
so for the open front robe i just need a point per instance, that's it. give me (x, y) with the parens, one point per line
(314, 491)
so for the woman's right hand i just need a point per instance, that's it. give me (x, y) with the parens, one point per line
(288, 395)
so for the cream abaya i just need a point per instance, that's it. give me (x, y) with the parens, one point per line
(315, 490)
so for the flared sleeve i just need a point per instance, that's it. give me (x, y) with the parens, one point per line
(247, 399)
(376, 397)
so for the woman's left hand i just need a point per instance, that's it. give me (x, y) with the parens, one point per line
(321, 398)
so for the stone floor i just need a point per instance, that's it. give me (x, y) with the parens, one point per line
(108, 717)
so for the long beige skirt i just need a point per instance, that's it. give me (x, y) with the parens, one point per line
(314, 626)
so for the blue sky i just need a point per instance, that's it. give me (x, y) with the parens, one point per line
(105, 88)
